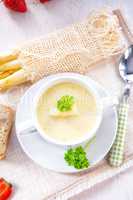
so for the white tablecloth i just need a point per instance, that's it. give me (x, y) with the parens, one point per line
(42, 19)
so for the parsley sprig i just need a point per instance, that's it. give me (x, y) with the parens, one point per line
(65, 103)
(77, 157)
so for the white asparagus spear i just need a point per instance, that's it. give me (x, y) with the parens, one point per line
(54, 112)
(6, 74)
(8, 56)
(12, 65)
(13, 80)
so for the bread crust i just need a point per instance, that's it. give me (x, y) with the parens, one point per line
(6, 121)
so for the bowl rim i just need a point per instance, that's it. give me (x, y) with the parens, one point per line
(68, 77)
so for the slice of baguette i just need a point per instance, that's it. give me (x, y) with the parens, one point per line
(6, 121)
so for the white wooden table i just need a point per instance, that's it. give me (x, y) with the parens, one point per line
(42, 19)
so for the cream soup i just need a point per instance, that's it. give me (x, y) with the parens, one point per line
(72, 127)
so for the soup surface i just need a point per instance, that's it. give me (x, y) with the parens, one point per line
(68, 128)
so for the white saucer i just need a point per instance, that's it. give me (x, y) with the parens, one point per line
(51, 156)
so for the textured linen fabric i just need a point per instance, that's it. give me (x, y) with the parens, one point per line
(74, 48)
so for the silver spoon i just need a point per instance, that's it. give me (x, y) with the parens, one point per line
(126, 72)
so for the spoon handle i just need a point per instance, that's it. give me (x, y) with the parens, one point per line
(117, 152)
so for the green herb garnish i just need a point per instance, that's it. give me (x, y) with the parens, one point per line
(65, 103)
(77, 157)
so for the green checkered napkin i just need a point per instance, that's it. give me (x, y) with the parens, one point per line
(117, 151)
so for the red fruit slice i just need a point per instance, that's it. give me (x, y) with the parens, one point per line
(6, 193)
(5, 189)
(44, 1)
(3, 186)
(16, 5)
(1, 180)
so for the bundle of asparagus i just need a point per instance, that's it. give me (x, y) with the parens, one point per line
(72, 49)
